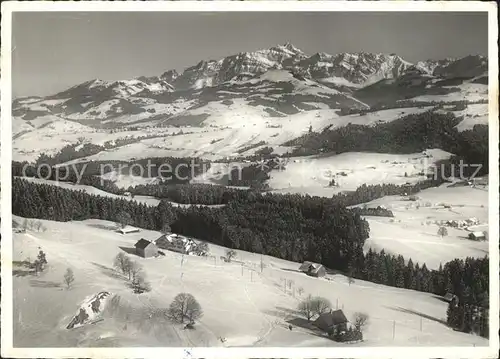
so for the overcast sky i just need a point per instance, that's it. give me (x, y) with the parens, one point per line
(54, 51)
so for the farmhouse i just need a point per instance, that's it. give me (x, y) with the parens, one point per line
(331, 321)
(477, 236)
(176, 243)
(127, 230)
(313, 269)
(145, 248)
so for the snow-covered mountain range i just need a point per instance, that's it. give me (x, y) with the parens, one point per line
(346, 72)
(263, 87)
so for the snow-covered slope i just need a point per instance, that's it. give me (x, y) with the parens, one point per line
(229, 293)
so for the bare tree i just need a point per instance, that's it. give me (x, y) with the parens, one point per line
(42, 260)
(134, 269)
(300, 290)
(305, 307)
(37, 265)
(320, 305)
(122, 263)
(26, 225)
(360, 320)
(230, 254)
(442, 232)
(184, 306)
(69, 277)
(140, 284)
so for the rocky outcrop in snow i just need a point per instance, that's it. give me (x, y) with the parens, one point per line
(90, 310)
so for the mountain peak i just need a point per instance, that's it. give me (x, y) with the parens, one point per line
(289, 46)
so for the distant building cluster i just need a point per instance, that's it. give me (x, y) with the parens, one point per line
(172, 242)
(176, 243)
(461, 223)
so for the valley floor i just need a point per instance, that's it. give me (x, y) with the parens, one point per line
(240, 303)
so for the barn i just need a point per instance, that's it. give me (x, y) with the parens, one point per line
(331, 321)
(313, 269)
(127, 230)
(145, 248)
(477, 236)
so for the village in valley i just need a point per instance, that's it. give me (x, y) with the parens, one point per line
(313, 199)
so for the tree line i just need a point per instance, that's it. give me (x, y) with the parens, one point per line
(378, 211)
(174, 171)
(469, 282)
(78, 150)
(408, 104)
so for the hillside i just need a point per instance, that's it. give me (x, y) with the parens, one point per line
(229, 293)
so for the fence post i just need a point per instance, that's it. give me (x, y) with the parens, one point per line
(393, 329)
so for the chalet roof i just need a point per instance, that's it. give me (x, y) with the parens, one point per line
(177, 240)
(310, 266)
(332, 318)
(173, 238)
(142, 243)
(478, 234)
(128, 229)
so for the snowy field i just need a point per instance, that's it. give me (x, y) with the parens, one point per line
(468, 91)
(312, 175)
(413, 230)
(476, 114)
(229, 293)
(49, 134)
(225, 132)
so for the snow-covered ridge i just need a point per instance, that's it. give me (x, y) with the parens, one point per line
(356, 68)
